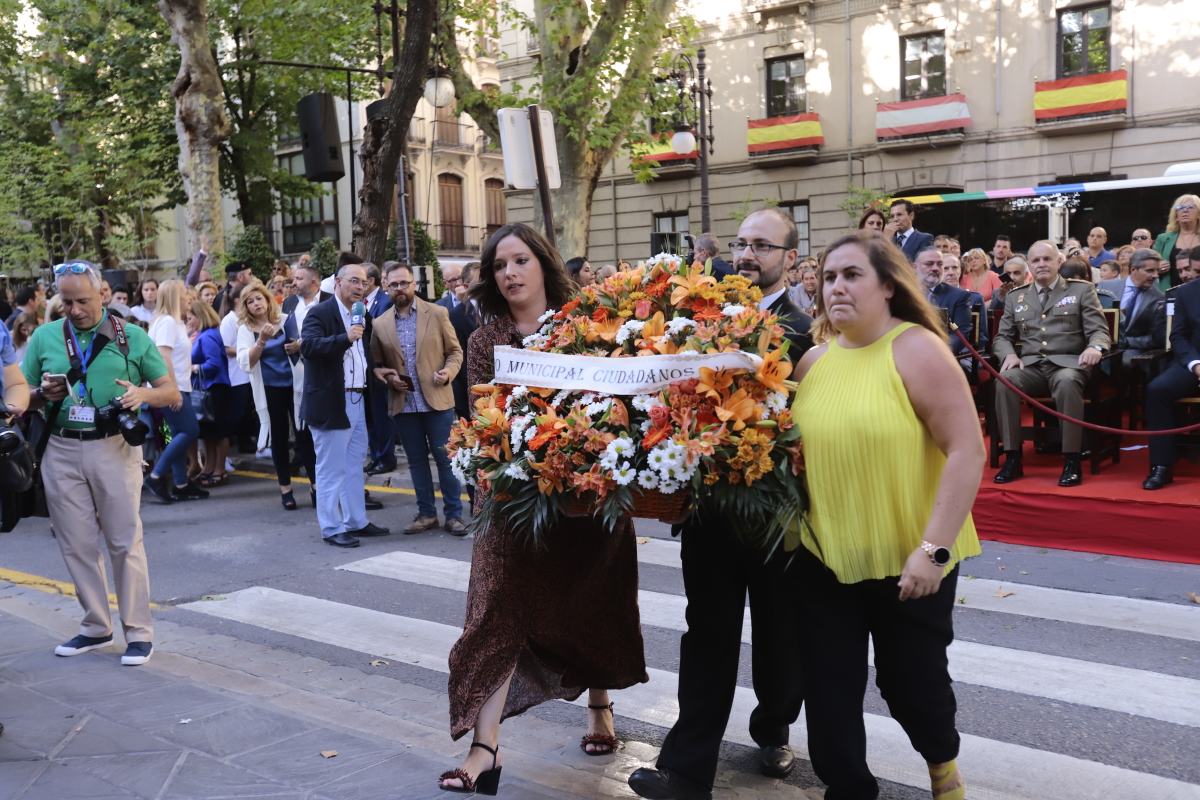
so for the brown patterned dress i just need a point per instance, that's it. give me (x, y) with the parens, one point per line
(561, 619)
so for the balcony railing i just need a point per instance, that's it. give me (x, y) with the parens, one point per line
(787, 136)
(917, 120)
(452, 136)
(1100, 99)
(455, 237)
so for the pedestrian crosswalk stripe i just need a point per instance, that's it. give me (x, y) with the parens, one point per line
(1153, 695)
(1176, 621)
(996, 770)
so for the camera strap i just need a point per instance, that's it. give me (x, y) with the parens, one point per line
(111, 328)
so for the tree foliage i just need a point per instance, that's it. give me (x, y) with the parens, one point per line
(261, 99)
(604, 70)
(87, 145)
(251, 247)
(324, 254)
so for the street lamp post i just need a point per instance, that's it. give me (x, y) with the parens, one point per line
(695, 81)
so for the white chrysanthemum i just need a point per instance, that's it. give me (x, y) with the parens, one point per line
(680, 324)
(514, 470)
(645, 402)
(732, 310)
(535, 340)
(621, 446)
(599, 407)
(648, 479)
(517, 434)
(608, 460)
(657, 459)
(550, 312)
(668, 487)
(777, 401)
(629, 328)
(625, 474)
(645, 426)
(560, 397)
(519, 391)
(530, 432)
(458, 473)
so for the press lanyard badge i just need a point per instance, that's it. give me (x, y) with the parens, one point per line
(85, 415)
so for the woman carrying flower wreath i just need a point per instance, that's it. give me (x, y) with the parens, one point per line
(893, 458)
(542, 623)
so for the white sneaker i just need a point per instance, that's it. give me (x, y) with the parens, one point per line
(264, 453)
(229, 465)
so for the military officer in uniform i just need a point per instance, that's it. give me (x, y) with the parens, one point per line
(1059, 327)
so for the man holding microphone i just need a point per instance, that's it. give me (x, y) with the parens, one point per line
(92, 468)
(335, 343)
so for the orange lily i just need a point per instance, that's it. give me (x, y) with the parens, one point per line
(739, 407)
(714, 382)
(773, 372)
(548, 426)
(606, 330)
(688, 284)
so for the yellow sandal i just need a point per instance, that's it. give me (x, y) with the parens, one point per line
(946, 782)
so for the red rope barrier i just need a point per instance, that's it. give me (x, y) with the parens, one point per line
(1052, 412)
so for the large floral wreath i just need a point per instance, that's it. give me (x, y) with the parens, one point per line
(722, 443)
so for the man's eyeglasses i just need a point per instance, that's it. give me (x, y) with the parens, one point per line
(354, 281)
(453, 281)
(761, 249)
(399, 285)
(73, 267)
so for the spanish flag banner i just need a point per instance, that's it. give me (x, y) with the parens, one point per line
(777, 134)
(659, 151)
(1086, 94)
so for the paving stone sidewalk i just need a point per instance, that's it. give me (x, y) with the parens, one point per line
(214, 717)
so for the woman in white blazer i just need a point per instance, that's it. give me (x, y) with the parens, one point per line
(262, 353)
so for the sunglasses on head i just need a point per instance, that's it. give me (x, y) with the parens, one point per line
(73, 267)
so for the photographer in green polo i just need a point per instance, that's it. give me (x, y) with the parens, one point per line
(90, 369)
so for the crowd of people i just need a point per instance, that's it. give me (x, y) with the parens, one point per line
(328, 372)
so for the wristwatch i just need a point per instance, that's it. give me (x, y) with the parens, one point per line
(940, 556)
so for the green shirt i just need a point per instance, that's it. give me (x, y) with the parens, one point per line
(47, 353)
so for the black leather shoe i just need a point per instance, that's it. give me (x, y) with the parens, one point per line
(379, 467)
(371, 503)
(660, 784)
(1158, 478)
(371, 529)
(342, 540)
(1072, 474)
(1010, 472)
(776, 761)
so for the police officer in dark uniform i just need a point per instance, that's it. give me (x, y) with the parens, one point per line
(1059, 328)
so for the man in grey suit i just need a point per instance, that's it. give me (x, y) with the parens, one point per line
(1139, 299)
(906, 237)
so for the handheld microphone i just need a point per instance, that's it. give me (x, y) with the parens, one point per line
(358, 314)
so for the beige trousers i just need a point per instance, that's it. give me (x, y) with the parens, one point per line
(94, 493)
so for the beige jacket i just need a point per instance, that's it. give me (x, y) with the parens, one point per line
(437, 349)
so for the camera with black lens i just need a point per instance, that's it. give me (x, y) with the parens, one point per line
(115, 418)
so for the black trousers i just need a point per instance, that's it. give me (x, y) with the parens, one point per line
(910, 640)
(306, 453)
(1172, 384)
(717, 574)
(279, 409)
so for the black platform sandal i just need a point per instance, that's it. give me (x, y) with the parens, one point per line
(487, 783)
(605, 744)
(289, 500)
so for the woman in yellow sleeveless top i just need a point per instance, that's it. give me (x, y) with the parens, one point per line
(893, 459)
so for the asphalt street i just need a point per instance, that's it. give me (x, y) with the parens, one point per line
(1048, 678)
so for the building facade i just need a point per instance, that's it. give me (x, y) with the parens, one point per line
(814, 101)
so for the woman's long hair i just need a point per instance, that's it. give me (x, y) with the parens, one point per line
(870, 212)
(893, 269)
(172, 299)
(205, 316)
(1172, 220)
(559, 287)
(256, 287)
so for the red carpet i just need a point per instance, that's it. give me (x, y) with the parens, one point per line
(1110, 513)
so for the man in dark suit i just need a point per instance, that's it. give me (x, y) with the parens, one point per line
(718, 571)
(706, 247)
(335, 344)
(466, 319)
(1180, 379)
(452, 276)
(955, 302)
(1139, 301)
(906, 237)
